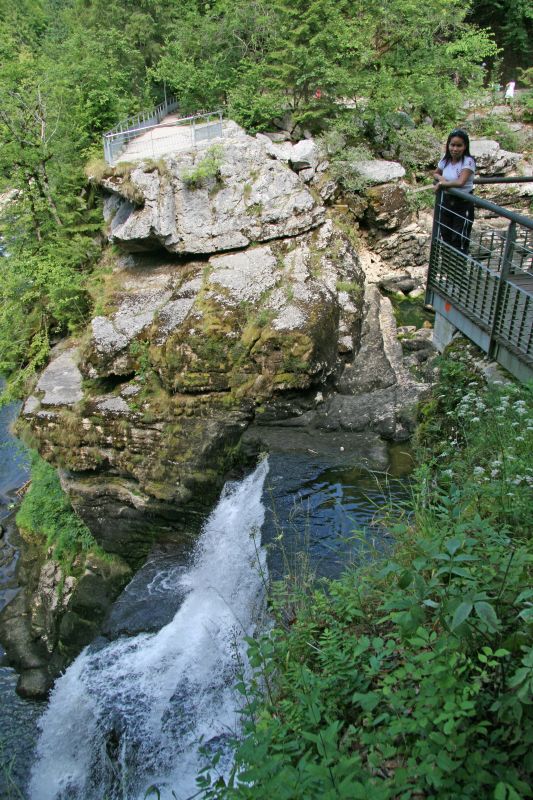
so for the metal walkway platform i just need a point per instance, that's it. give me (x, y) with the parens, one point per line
(483, 285)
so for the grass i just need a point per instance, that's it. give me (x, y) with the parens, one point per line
(207, 169)
(46, 514)
(412, 675)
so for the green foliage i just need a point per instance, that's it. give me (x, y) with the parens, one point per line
(411, 676)
(511, 21)
(248, 102)
(207, 169)
(42, 293)
(47, 513)
(344, 168)
(493, 127)
(266, 57)
(417, 148)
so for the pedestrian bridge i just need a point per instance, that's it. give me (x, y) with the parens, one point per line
(485, 289)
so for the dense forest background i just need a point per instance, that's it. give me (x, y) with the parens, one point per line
(70, 69)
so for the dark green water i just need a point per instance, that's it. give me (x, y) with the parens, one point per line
(411, 312)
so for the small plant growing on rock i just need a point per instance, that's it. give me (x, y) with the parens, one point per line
(344, 168)
(350, 287)
(206, 169)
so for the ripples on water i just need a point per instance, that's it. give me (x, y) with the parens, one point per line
(336, 513)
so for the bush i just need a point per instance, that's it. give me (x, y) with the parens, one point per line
(418, 148)
(46, 513)
(344, 168)
(497, 128)
(207, 169)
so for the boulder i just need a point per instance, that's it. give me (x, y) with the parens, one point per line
(397, 282)
(406, 248)
(378, 171)
(185, 353)
(387, 206)
(60, 383)
(491, 159)
(304, 155)
(246, 197)
(376, 390)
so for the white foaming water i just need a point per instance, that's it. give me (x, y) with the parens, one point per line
(132, 713)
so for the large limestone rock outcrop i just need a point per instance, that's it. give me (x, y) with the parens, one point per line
(237, 299)
(154, 401)
(246, 197)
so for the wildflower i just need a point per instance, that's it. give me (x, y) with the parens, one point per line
(520, 439)
(496, 463)
(475, 419)
(478, 471)
(521, 410)
(494, 473)
(448, 473)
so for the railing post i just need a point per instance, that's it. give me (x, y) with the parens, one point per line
(434, 238)
(505, 271)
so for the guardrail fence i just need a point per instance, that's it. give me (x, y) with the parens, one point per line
(484, 287)
(143, 135)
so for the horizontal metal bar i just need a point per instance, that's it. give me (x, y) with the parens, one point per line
(145, 114)
(513, 179)
(479, 202)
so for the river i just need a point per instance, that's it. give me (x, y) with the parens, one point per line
(131, 709)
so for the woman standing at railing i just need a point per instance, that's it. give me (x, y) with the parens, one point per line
(455, 171)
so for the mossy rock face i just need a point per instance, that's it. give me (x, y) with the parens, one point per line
(167, 382)
(57, 612)
(388, 206)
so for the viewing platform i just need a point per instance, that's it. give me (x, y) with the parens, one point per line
(485, 289)
(159, 132)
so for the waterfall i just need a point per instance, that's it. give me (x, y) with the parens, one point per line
(130, 713)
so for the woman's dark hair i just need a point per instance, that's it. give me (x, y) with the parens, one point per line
(461, 134)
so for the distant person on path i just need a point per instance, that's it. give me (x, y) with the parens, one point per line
(509, 93)
(455, 170)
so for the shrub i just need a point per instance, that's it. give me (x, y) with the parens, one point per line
(206, 169)
(46, 512)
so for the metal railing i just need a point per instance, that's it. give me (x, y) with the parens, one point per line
(483, 283)
(118, 137)
(143, 135)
